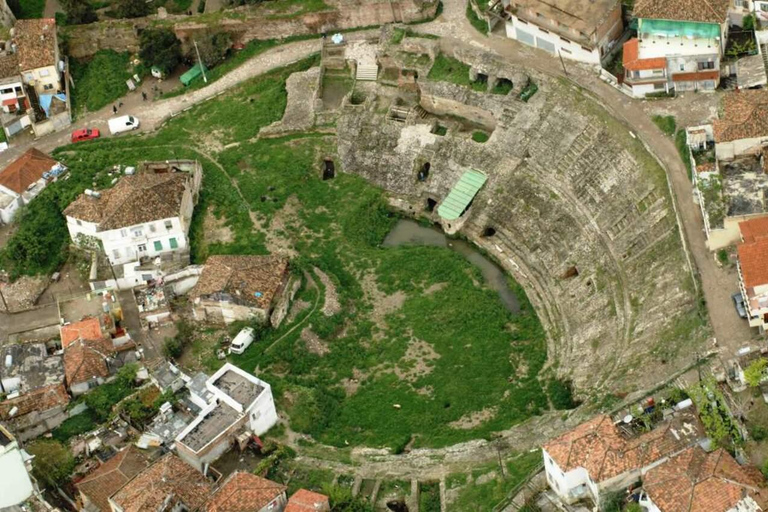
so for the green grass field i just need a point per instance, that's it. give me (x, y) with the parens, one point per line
(100, 80)
(453, 360)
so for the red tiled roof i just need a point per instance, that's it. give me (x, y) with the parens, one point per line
(754, 229)
(702, 11)
(697, 481)
(244, 492)
(745, 116)
(26, 170)
(696, 76)
(706, 167)
(111, 476)
(40, 399)
(633, 62)
(36, 42)
(87, 359)
(88, 329)
(753, 260)
(599, 447)
(167, 479)
(307, 501)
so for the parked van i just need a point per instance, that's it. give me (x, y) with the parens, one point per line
(123, 124)
(242, 341)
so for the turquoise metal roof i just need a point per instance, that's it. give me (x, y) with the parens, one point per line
(668, 28)
(461, 195)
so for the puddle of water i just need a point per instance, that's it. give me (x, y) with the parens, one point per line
(409, 232)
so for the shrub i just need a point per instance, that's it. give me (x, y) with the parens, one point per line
(100, 79)
(666, 124)
(681, 143)
(476, 21)
(174, 347)
(52, 463)
(201, 7)
(132, 8)
(74, 426)
(79, 12)
(561, 394)
(479, 136)
(528, 92)
(159, 47)
(756, 372)
(758, 432)
(213, 47)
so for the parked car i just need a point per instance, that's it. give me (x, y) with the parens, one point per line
(242, 341)
(122, 124)
(85, 134)
(738, 301)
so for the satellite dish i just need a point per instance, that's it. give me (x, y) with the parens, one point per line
(628, 419)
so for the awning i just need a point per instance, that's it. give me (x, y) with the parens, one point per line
(11, 101)
(461, 195)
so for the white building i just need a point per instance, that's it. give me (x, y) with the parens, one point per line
(582, 31)
(15, 485)
(24, 179)
(144, 218)
(679, 45)
(598, 457)
(235, 402)
(743, 125)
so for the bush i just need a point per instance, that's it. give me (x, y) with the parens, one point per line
(756, 372)
(480, 137)
(174, 347)
(132, 8)
(213, 47)
(561, 394)
(102, 399)
(100, 80)
(758, 432)
(666, 124)
(74, 426)
(748, 23)
(53, 462)
(201, 7)
(476, 21)
(159, 47)
(681, 143)
(79, 12)
(528, 92)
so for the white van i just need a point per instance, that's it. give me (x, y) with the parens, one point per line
(122, 124)
(242, 341)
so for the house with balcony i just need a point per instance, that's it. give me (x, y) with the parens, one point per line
(23, 179)
(141, 223)
(603, 456)
(689, 36)
(572, 29)
(14, 102)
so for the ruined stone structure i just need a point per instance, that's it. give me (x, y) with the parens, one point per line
(253, 22)
(7, 19)
(574, 208)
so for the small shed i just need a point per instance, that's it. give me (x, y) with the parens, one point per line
(193, 74)
(461, 195)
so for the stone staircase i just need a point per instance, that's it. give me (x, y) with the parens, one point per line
(367, 72)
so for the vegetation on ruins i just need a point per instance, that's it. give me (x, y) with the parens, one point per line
(756, 372)
(714, 415)
(100, 79)
(52, 461)
(159, 47)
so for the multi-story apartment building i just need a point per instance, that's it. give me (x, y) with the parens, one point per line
(573, 29)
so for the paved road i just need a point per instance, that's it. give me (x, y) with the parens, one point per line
(12, 323)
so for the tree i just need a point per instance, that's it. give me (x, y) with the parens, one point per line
(132, 8)
(53, 462)
(79, 12)
(213, 47)
(755, 372)
(159, 47)
(15, 7)
(748, 23)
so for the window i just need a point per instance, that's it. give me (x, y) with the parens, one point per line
(6, 91)
(123, 233)
(152, 228)
(137, 232)
(706, 65)
(740, 3)
(543, 30)
(79, 223)
(565, 50)
(29, 77)
(522, 21)
(174, 243)
(764, 7)
(659, 87)
(658, 72)
(44, 72)
(158, 245)
(142, 247)
(146, 277)
(47, 87)
(565, 40)
(586, 49)
(116, 254)
(682, 67)
(168, 225)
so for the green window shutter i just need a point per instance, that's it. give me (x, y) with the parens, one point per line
(174, 243)
(158, 245)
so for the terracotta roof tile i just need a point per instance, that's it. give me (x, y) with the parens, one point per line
(696, 76)
(168, 477)
(36, 43)
(307, 501)
(244, 492)
(111, 476)
(137, 199)
(88, 329)
(599, 447)
(633, 62)
(702, 11)
(40, 399)
(26, 170)
(243, 277)
(753, 260)
(745, 116)
(754, 229)
(697, 481)
(87, 359)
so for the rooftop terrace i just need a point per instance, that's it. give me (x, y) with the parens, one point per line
(242, 390)
(30, 367)
(744, 186)
(218, 420)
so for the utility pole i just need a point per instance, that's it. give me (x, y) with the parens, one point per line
(562, 63)
(199, 61)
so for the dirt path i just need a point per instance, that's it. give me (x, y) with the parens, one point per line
(51, 8)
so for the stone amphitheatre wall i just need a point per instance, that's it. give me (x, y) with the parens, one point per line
(581, 217)
(249, 23)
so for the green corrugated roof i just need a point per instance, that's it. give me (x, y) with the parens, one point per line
(461, 195)
(192, 74)
(668, 28)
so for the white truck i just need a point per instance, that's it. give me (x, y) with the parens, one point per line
(242, 341)
(123, 124)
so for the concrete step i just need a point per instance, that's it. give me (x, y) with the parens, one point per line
(367, 72)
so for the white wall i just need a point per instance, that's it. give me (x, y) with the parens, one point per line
(571, 486)
(534, 36)
(15, 485)
(730, 150)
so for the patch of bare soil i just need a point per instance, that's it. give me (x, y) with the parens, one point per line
(313, 342)
(435, 288)
(282, 222)
(331, 305)
(296, 308)
(211, 141)
(417, 361)
(474, 419)
(352, 385)
(215, 229)
(23, 293)
(382, 303)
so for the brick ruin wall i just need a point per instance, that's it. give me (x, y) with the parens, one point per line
(249, 23)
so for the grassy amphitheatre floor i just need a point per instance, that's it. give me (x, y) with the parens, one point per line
(416, 328)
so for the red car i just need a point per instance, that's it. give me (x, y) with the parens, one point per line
(85, 134)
